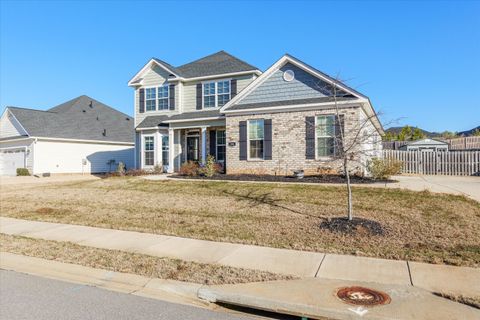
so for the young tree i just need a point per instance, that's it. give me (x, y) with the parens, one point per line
(353, 146)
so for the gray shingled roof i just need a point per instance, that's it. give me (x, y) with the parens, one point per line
(217, 63)
(76, 119)
(287, 103)
(155, 121)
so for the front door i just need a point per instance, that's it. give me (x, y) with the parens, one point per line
(193, 149)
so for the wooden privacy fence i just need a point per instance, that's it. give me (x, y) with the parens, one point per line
(455, 163)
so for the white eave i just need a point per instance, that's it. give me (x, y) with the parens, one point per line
(137, 81)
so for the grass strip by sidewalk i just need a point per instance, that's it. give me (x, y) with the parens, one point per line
(144, 265)
(469, 301)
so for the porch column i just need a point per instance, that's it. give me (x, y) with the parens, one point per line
(171, 150)
(204, 144)
(158, 148)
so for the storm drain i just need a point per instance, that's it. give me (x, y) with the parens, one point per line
(363, 296)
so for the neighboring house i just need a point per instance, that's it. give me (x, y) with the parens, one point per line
(79, 136)
(251, 122)
(426, 145)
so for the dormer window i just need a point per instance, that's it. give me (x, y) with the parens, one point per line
(216, 94)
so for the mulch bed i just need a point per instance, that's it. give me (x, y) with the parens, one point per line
(309, 179)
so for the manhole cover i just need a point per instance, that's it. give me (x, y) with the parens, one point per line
(363, 296)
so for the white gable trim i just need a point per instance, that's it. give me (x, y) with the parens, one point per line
(276, 66)
(6, 114)
(145, 68)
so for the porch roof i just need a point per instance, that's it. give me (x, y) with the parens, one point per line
(163, 120)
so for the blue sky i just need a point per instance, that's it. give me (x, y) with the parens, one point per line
(418, 61)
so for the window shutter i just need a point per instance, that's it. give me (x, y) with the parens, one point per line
(243, 140)
(310, 137)
(213, 143)
(141, 100)
(267, 139)
(199, 96)
(171, 97)
(339, 123)
(233, 88)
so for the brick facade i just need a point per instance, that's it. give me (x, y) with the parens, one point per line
(288, 143)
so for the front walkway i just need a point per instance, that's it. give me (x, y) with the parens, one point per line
(460, 280)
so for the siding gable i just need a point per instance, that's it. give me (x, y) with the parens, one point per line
(275, 88)
(9, 127)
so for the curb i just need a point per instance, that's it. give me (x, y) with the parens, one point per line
(160, 289)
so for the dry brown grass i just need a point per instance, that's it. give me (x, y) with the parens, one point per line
(141, 264)
(469, 301)
(395, 224)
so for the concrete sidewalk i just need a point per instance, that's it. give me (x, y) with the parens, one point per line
(457, 280)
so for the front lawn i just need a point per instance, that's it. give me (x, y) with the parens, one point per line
(391, 223)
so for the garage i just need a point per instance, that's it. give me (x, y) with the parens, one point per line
(10, 160)
(79, 136)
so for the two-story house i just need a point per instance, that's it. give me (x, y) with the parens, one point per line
(277, 121)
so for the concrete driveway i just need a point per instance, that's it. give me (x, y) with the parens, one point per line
(461, 185)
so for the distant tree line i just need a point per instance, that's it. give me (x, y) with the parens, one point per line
(408, 133)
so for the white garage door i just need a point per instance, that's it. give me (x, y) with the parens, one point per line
(10, 160)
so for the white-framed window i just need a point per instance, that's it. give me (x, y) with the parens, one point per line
(216, 94)
(221, 146)
(255, 139)
(151, 99)
(209, 98)
(165, 149)
(148, 150)
(223, 92)
(325, 136)
(163, 95)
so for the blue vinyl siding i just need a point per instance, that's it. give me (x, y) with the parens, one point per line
(275, 88)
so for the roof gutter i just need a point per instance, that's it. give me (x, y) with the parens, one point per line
(84, 141)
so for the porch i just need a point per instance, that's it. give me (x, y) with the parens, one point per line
(171, 146)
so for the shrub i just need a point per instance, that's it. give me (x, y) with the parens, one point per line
(136, 172)
(189, 168)
(158, 169)
(210, 167)
(23, 172)
(121, 169)
(384, 168)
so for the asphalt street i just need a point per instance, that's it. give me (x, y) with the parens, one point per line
(29, 297)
